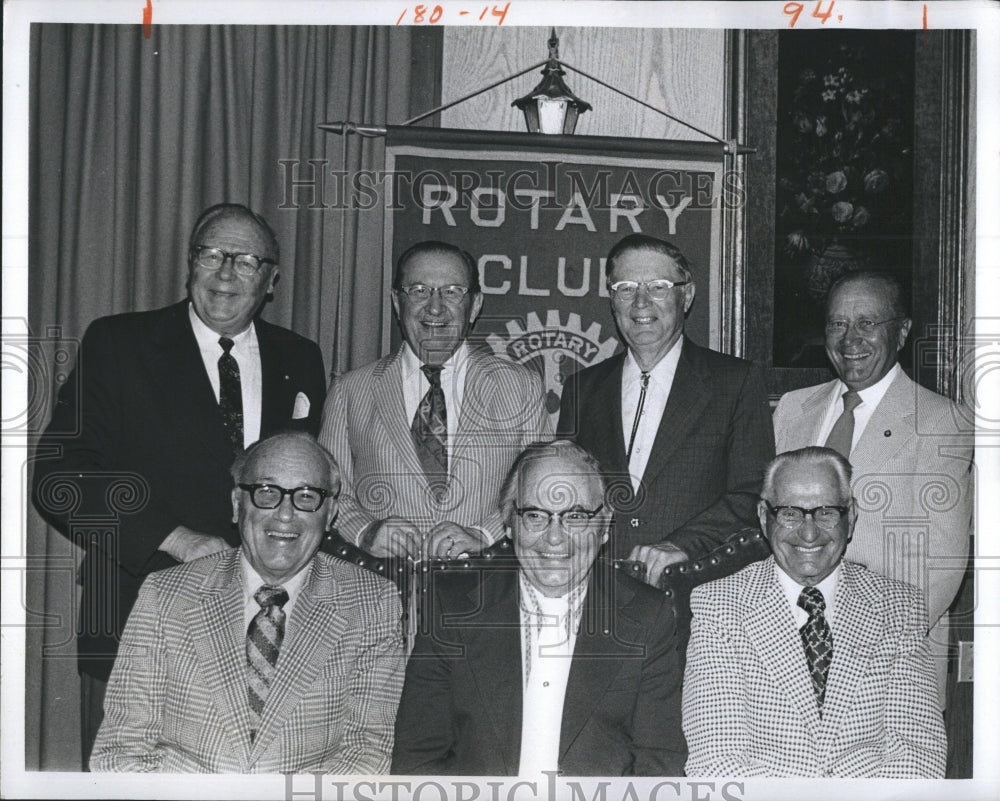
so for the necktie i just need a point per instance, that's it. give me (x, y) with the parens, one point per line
(231, 395)
(430, 428)
(817, 640)
(638, 415)
(842, 433)
(264, 637)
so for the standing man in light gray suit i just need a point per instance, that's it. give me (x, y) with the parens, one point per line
(426, 435)
(910, 449)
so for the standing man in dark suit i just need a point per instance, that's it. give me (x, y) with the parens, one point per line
(160, 403)
(552, 662)
(683, 432)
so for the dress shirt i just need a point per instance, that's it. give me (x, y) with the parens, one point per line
(548, 636)
(661, 379)
(870, 399)
(246, 351)
(793, 590)
(415, 386)
(253, 582)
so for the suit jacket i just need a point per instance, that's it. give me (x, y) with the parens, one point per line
(177, 698)
(912, 480)
(137, 441)
(749, 707)
(462, 700)
(366, 428)
(707, 462)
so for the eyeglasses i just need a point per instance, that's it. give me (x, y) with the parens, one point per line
(657, 289)
(536, 520)
(863, 327)
(213, 258)
(270, 496)
(826, 517)
(421, 293)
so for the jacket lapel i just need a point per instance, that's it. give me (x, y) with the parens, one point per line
(771, 627)
(688, 397)
(274, 382)
(387, 387)
(803, 428)
(494, 659)
(606, 427)
(315, 632)
(857, 628)
(216, 623)
(895, 414)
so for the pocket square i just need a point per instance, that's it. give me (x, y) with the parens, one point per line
(301, 408)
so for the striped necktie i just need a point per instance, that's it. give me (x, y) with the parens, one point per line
(264, 636)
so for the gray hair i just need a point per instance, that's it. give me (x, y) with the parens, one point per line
(648, 243)
(243, 462)
(895, 294)
(560, 448)
(814, 455)
(235, 211)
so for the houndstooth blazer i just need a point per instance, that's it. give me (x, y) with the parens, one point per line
(177, 698)
(366, 429)
(748, 703)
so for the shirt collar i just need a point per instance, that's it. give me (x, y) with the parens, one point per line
(662, 370)
(207, 338)
(252, 580)
(793, 589)
(411, 362)
(872, 396)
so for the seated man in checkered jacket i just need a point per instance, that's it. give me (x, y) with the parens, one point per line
(805, 664)
(267, 658)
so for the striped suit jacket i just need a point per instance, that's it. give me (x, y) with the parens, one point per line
(177, 698)
(748, 703)
(366, 428)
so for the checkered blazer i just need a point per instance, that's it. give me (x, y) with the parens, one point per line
(177, 697)
(366, 428)
(748, 703)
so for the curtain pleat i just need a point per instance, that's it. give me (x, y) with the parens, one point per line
(131, 139)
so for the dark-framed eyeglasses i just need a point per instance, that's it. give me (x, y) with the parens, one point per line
(826, 517)
(658, 289)
(864, 327)
(270, 496)
(421, 293)
(213, 258)
(575, 519)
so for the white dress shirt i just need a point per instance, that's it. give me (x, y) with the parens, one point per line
(793, 589)
(661, 379)
(870, 399)
(253, 582)
(246, 351)
(415, 386)
(548, 636)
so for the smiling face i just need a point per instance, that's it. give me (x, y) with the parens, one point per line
(650, 327)
(434, 328)
(558, 558)
(808, 553)
(225, 300)
(279, 542)
(862, 360)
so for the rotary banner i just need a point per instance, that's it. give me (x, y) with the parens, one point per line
(539, 214)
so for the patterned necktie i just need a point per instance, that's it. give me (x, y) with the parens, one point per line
(842, 433)
(264, 637)
(817, 640)
(638, 415)
(231, 395)
(430, 428)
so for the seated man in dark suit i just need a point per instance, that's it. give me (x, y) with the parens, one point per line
(552, 662)
(683, 431)
(269, 658)
(158, 405)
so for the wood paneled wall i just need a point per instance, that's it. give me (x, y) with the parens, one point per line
(679, 71)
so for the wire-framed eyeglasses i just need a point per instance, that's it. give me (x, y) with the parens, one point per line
(863, 327)
(826, 517)
(658, 289)
(421, 293)
(535, 519)
(270, 496)
(214, 258)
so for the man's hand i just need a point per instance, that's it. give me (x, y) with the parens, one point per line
(394, 536)
(656, 557)
(185, 544)
(449, 540)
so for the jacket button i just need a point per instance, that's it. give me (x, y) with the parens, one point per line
(634, 522)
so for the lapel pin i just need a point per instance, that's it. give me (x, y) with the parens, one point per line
(887, 433)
